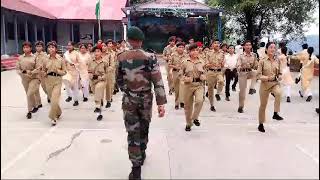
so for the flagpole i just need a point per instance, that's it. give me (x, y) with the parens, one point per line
(99, 20)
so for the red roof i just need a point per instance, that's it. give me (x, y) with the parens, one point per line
(22, 6)
(81, 9)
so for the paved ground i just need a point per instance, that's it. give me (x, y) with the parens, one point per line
(226, 145)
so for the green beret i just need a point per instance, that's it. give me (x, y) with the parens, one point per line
(135, 33)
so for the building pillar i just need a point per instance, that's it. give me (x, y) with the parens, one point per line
(43, 35)
(114, 34)
(93, 34)
(26, 30)
(4, 34)
(72, 39)
(124, 31)
(16, 34)
(35, 32)
(220, 26)
(51, 31)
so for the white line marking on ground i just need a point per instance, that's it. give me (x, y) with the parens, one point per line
(307, 153)
(29, 148)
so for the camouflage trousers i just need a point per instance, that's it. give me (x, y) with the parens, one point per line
(137, 116)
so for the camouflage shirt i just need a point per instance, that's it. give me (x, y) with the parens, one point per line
(137, 71)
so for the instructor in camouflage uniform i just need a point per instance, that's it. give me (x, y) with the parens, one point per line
(137, 71)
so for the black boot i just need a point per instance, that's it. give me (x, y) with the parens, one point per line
(218, 97)
(76, 103)
(188, 128)
(29, 115)
(251, 91)
(233, 89)
(317, 110)
(227, 98)
(207, 94)
(297, 80)
(213, 109)
(196, 122)
(300, 93)
(108, 104)
(273, 95)
(85, 99)
(34, 110)
(176, 107)
(309, 98)
(97, 110)
(240, 110)
(40, 106)
(182, 105)
(135, 173)
(261, 128)
(49, 101)
(288, 99)
(69, 99)
(276, 116)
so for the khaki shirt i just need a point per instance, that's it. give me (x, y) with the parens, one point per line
(40, 60)
(177, 59)
(109, 59)
(167, 51)
(192, 69)
(247, 61)
(27, 63)
(270, 69)
(99, 69)
(215, 58)
(55, 65)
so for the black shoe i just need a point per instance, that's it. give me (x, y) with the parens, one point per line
(196, 122)
(58, 117)
(207, 94)
(182, 105)
(135, 173)
(301, 95)
(254, 91)
(218, 97)
(176, 107)
(273, 95)
(240, 110)
(40, 106)
(261, 128)
(277, 117)
(317, 110)
(91, 92)
(29, 115)
(114, 92)
(108, 104)
(251, 91)
(213, 109)
(101, 103)
(309, 98)
(34, 110)
(76, 103)
(288, 99)
(233, 89)
(170, 92)
(97, 110)
(111, 100)
(297, 80)
(49, 101)
(69, 99)
(99, 118)
(85, 99)
(227, 98)
(53, 122)
(188, 128)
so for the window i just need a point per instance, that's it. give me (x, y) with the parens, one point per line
(76, 33)
(10, 31)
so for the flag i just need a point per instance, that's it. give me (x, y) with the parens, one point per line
(98, 10)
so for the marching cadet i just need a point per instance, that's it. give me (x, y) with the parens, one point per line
(231, 71)
(84, 60)
(167, 51)
(307, 73)
(303, 57)
(55, 68)
(191, 41)
(137, 72)
(224, 47)
(175, 62)
(41, 56)
(97, 70)
(71, 80)
(27, 68)
(109, 58)
(214, 64)
(269, 73)
(287, 80)
(90, 47)
(246, 66)
(194, 77)
(239, 48)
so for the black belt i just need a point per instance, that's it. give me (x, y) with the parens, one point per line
(175, 69)
(196, 80)
(215, 70)
(53, 74)
(245, 70)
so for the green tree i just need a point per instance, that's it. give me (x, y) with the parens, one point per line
(254, 18)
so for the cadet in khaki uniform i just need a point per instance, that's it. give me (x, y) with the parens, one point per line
(109, 58)
(194, 77)
(246, 66)
(269, 72)
(167, 52)
(27, 69)
(41, 56)
(84, 60)
(175, 62)
(55, 68)
(97, 73)
(214, 64)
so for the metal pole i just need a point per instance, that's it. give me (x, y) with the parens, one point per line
(35, 32)
(26, 30)
(124, 31)
(99, 28)
(114, 34)
(4, 34)
(72, 32)
(43, 35)
(16, 34)
(93, 34)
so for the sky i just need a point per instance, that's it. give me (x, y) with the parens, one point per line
(314, 27)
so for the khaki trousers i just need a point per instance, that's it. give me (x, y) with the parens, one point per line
(53, 85)
(98, 91)
(214, 78)
(243, 77)
(265, 90)
(31, 87)
(181, 91)
(193, 101)
(110, 85)
(176, 83)
(170, 80)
